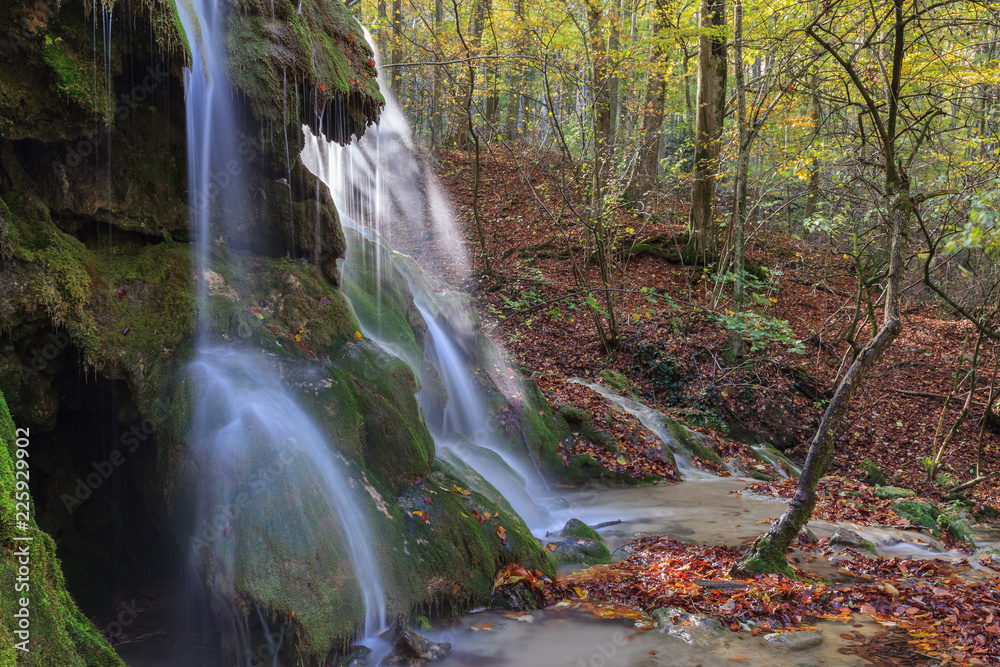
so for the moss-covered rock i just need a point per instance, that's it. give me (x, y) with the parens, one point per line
(577, 528)
(871, 473)
(57, 633)
(893, 492)
(580, 550)
(849, 539)
(921, 513)
(689, 441)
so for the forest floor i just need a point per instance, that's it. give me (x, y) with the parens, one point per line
(672, 351)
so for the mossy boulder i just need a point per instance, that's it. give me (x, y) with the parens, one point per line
(274, 47)
(618, 382)
(58, 633)
(690, 442)
(871, 473)
(921, 513)
(849, 539)
(893, 492)
(577, 528)
(579, 550)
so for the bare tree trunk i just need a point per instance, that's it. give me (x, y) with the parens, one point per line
(602, 165)
(652, 114)
(742, 172)
(812, 193)
(397, 44)
(614, 46)
(709, 116)
(767, 554)
(381, 36)
(438, 83)
(514, 94)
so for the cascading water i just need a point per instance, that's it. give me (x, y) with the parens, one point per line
(247, 426)
(387, 195)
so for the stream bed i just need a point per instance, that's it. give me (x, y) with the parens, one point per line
(569, 635)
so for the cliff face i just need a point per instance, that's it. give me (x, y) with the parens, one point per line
(97, 316)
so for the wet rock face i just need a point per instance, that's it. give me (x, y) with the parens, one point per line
(410, 649)
(848, 539)
(580, 544)
(692, 628)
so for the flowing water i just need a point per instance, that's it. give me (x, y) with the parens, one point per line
(390, 197)
(246, 420)
(653, 420)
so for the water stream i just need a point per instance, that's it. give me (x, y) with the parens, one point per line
(388, 196)
(246, 419)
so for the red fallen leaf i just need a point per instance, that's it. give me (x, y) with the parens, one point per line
(126, 330)
(121, 293)
(427, 500)
(501, 533)
(322, 86)
(350, 37)
(479, 518)
(371, 62)
(423, 516)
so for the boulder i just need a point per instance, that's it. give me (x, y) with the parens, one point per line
(844, 538)
(410, 649)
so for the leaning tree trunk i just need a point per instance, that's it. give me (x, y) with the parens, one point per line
(768, 552)
(709, 115)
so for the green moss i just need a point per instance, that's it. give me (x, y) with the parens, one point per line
(59, 633)
(893, 492)
(871, 473)
(618, 382)
(577, 528)
(689, 442)
(920, 513)
(77, 77)
(321, 46)
(762, 558)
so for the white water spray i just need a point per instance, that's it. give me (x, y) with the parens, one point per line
(246, 418)
(384, 191)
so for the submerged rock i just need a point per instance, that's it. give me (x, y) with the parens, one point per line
(848, 539)
(410, 649)
(694, 629)
(794, 641)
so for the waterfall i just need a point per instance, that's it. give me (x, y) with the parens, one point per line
(387, 195)
(246, 425)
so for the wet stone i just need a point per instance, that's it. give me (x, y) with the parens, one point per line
(848, 539)
(794, 641)
(410, 649)
(692, 628)
(580, 550)
(358, 657)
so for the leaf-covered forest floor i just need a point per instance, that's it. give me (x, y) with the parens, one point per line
(672, 354)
